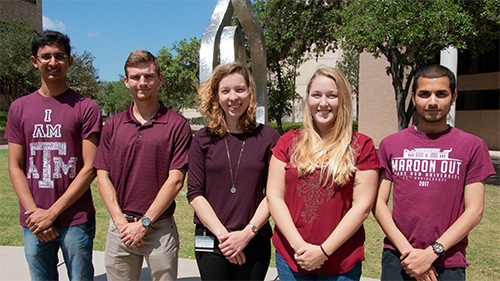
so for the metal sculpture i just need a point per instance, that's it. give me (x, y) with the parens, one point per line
(223, 41)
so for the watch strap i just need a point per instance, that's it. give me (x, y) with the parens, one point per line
(254, 229)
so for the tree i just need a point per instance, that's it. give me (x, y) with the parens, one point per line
(181, 71)
(349, 65)
(115, 97)
(18, 77)
(292, 30)
(410, 34)
(82, 76)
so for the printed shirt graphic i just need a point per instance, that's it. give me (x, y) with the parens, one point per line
(51, 130)
(316, 211)
(429, 172)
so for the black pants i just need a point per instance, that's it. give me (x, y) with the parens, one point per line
(392, 270)
(215, 266)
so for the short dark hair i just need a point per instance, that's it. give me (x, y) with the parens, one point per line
(48, 37)
(140, 56)
(434, 71)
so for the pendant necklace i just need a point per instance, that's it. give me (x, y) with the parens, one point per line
(233, 179)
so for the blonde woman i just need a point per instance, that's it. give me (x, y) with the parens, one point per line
(228, 165)
(321, 187)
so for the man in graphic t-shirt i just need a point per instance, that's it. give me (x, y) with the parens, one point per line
(437, 174)
(53, 135)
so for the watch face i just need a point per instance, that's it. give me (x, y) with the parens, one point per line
(438, 248)
(146, 221)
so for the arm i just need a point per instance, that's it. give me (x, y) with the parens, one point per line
(21, 187)
(236, 241)
(311, 257)
(276, 203)
(39, 219)
(133, 234)
(418, 261)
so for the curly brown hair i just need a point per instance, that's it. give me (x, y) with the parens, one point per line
(208, 94)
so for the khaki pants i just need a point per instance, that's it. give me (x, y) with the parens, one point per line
(161, 251)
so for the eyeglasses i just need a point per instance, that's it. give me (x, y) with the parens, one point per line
(47, 57)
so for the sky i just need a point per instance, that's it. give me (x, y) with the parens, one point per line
(111, 29)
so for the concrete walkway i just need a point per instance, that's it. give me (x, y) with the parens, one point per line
(13, 266)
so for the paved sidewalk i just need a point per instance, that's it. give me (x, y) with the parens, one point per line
(13, 266)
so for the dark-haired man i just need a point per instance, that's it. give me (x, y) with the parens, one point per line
(141, 164)
(437, 174)
(53, 135)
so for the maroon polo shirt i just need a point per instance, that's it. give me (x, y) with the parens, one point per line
(139, 157)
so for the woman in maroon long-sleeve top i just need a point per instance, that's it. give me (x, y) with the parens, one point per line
(228, 164)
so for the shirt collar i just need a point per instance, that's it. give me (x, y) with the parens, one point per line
(160, 118)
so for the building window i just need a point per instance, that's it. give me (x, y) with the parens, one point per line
(31, 1)
(487, 62)
(478, 100)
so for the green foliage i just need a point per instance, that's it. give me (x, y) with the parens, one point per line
(82, 76)
(410, 34)
(288, 45)
(18, 77)
(115, 97)
(180, 65)
(3, 119)
(287, 126)
(349, 65)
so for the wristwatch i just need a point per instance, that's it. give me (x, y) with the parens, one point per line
(438, 248)
(146, 222)
(254, 228)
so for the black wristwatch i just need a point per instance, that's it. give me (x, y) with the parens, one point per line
(146, 222)
(438, 248)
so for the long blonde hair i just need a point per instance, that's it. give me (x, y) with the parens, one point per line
(333, 154)
(208, 94)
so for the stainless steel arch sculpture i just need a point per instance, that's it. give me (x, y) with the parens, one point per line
(225, 41)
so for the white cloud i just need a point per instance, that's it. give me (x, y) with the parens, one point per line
(53, 25)
(93, 34)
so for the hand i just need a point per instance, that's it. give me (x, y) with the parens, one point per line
(39, 220)
(417, 261)
(133, 234)
(239, 259)
(233, 243)
(310, 257)
(430, 275)
(47, 234)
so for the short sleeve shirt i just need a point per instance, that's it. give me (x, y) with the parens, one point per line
(51, 130)
(316, 211)
(139, 157)
(429, 172)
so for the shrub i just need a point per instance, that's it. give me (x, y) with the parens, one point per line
(3, 119)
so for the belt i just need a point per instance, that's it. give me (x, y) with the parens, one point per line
(131, 218)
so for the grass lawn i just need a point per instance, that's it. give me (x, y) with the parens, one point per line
(483, 253)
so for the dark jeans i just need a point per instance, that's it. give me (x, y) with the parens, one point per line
(215, 266)
(392, 269)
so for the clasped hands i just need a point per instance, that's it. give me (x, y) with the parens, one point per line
(132, 234)
(41, 223)
(418, 264)
(310, 257)
(232, 245)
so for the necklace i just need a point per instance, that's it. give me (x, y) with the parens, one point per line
(233, 179)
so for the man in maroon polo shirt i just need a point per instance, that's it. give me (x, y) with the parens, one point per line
(141, 164)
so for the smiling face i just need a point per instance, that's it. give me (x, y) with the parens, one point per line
(52, 70)
(433, 100)
(323, 102)
(143, 81)
(234, 97)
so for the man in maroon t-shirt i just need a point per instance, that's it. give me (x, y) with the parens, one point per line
(141, 164)
(53, 135)
(437, 174)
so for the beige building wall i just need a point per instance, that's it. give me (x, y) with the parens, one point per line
(22, 9)
(377, 104)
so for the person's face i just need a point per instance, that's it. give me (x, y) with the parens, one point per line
(52, 62)
(143, 81)
(323, 102)
(233, 94)
(433, 98)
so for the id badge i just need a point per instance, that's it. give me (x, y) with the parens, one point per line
(203, 243)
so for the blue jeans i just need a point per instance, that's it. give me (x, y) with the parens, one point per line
(285, 273)
(76, 244)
